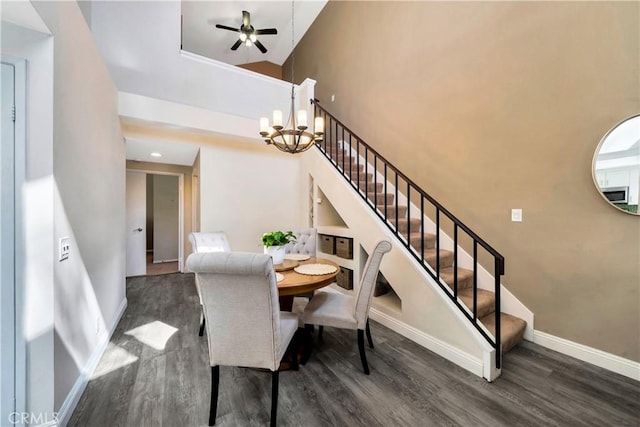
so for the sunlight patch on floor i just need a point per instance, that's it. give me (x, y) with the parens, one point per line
(154, 334)
(114, 358)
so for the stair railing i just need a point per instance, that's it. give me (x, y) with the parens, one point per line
(340, 143)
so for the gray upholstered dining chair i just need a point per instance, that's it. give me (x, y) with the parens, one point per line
(215, 241)
(349, 311)
(245, 326)
(305, 242)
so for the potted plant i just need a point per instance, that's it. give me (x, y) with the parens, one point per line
(274, 243)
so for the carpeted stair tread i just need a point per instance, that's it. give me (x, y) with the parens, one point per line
(362, 177)
(380, 197)
(370, 186)
(403, 224)
(417, 237)
(391, 211)
(511, 329)
(486, 301)
(465, 277)
(446, 258)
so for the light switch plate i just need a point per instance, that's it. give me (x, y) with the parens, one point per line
(516, 215)
(65, 248)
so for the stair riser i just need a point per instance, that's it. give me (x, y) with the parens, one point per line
(380, 198)
(429, 242)
(446, 259)
(391, 211)
(403, 225)
(369, 186)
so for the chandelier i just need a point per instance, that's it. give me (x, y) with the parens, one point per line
(294, 136)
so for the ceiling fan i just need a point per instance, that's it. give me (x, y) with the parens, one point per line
(248, 34)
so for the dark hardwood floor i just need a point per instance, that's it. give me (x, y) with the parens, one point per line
(156, 373)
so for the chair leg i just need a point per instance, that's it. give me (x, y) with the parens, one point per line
(368, 331)
(201, 321)
(307, 344)
(320, 329)
(274, 397)
(215, 382)
(292, 350)
(363, 357)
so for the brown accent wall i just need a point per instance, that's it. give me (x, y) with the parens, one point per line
(498, 105)
(264, 67)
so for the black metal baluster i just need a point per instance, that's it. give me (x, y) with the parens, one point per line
(366, 168)
(497, 271)
(421, 228)
(350, 161)
(437, 245)
(408, 213)
(395, 200)
(455, 259)
(375, 182)
(344, 152)
(475, 279)
(385, 191)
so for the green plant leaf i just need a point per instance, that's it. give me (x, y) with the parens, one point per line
(278, 238)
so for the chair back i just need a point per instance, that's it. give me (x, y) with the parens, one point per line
(209, 242)
(368, 281)
(240, 302)
(305, 242)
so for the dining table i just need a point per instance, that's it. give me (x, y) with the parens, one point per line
(296, 282)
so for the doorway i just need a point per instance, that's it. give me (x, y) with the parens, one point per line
(154, 222)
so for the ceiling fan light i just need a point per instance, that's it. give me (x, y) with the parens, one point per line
(253, 37)
(243, 37)
(247, 42)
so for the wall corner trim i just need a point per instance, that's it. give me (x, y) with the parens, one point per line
(72, 399)
(611, 362)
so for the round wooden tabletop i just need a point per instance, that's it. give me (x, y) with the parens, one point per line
(295, 283)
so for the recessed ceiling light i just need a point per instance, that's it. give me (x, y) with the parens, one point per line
(156, 154)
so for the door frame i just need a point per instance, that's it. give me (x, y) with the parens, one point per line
(19, 344)
(180, 209)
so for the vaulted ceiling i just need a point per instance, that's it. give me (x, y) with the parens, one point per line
(200, 35)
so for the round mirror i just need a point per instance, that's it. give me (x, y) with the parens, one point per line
(616, 165)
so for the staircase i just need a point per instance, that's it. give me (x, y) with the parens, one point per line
(400, 203)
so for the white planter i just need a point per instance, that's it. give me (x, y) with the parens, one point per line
(276, 252)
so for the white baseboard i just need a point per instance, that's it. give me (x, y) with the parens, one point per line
(600, 358)
(71, 401)
(165, 260)
(460, 358)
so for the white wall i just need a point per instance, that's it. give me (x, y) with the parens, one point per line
(165, 218)
(247, 189)
(88, 172)
(34, 227)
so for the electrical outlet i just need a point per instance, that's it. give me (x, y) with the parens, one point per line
(516, 215)
(65, 248)
(333, 98)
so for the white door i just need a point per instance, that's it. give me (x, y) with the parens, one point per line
(7, 241)
(136, 221)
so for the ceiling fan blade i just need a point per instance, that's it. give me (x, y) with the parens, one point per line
(260, 46)
(246, 19)
(236, 45)
(266, 31)
(224, 27)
